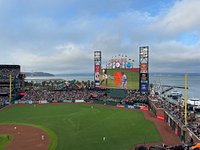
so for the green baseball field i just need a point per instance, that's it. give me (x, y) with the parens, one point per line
(114, 77)
(84, 126)
(4, 140)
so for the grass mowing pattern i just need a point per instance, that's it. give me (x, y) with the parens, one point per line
(4, 140)
(79, 127)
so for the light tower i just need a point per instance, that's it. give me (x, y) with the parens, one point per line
(97, 67)
(144, 69)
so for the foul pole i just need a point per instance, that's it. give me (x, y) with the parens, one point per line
(185, 98)
(10, 87)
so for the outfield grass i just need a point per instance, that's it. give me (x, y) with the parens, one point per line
(4, 140)
(80, 127)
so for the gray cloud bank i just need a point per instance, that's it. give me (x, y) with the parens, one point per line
(60, 36)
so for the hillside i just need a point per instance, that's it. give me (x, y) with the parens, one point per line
(38, 74)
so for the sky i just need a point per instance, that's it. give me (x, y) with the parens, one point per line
(60, 36)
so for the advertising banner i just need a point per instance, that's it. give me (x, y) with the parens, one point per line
(96, 76)
(143, 68)
(144, 78)
(144, 87)
(97, 68)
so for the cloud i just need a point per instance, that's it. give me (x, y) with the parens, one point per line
(182, 17)
(60, 36)
(64, 59)
(173, 56)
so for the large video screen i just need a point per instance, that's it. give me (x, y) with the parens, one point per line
(119, 78)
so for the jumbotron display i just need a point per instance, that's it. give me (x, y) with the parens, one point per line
(120, 78)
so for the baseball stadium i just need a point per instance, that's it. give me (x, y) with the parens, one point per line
(115, 111)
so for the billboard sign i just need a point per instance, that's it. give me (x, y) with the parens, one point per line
(143, 68)
(97, 68)
(144, 78)
(144, 87)
(96, 76)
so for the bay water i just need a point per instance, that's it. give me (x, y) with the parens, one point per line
(158, 78)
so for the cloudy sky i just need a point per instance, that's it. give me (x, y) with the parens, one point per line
(60, 36)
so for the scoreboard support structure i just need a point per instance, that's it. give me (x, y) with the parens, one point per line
(144, 69)
(97, 67)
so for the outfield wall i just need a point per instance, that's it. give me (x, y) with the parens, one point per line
(95, 101)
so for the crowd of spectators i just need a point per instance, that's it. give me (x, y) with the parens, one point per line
(195, 128)
(3, 101)
(160, 103)
(6, 72)
(61, 89)
(4, 90)
(131, 98)
(177, 112)
(60, 95)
